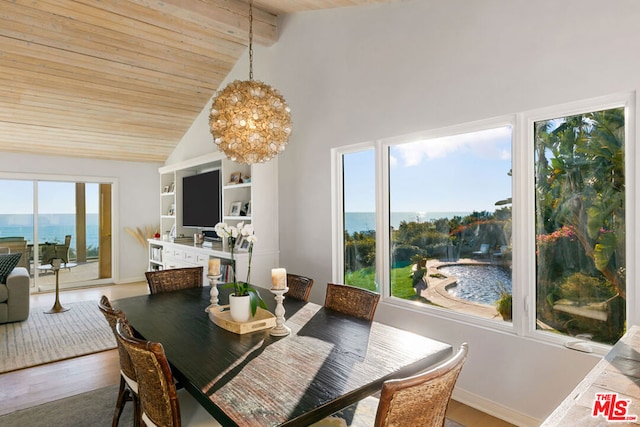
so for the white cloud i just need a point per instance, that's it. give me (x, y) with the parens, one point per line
(485, 144)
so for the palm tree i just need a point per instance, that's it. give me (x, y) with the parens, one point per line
(580, 184)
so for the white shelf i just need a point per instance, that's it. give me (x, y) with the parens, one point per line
(236, 218)
(232, 186)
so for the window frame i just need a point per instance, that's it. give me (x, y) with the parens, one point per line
(527, 245)
(523, 213)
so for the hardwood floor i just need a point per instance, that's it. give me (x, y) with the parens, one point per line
(45, 383)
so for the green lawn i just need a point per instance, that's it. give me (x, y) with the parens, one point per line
(365, 278)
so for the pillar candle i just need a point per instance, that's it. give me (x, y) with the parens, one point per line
(214, 266)
(278, 278)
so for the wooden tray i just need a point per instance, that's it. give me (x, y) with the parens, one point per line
(220, 315)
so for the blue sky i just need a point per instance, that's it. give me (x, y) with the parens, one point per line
(461, 173)
(53, 197)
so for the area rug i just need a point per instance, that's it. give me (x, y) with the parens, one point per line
(45, 338)
(91, 409)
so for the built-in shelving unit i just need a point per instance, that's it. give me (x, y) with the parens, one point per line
(236, 193)
(251, 192)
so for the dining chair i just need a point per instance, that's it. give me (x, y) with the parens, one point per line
(174, 279)
(351, 300)
(299, 287)
(419, 400)
(128, 390)
(160, 403)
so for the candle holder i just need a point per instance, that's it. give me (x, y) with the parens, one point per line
(213, 281)
(280, 330)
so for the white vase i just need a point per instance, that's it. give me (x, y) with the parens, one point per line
(240, 308)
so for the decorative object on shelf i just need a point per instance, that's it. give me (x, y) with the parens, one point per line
(234, 210)
(141, 235)
(243, 244)
(172, 187)
(235, 178)
(246, 209)
(249, 120)
(231, 234)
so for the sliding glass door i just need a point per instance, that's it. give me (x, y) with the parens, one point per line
(66, 219)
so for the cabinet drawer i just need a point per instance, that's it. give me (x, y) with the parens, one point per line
(178, 254)
(189, 257)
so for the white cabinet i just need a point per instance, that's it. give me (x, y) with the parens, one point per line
(166, 255)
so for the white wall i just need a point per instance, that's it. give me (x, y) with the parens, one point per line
(136, 198)
(357, 74)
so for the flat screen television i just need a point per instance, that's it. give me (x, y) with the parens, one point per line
(201, 200)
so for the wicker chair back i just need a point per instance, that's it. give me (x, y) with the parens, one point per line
(350, 300)
(299, 287)
(156, 390)
(420, 400)
(128, 390)
(174, 279)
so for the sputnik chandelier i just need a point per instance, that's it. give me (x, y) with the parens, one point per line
(249, 120)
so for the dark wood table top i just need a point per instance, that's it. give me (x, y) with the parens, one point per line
(328, 362)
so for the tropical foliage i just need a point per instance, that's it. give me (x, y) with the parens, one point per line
(580, 222)
(580, 228)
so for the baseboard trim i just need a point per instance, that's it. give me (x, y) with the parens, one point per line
(494, 409)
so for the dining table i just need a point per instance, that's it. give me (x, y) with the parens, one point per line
(329, 360)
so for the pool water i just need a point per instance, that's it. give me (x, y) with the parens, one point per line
(478, 283)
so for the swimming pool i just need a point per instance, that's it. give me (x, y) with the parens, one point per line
(478, 283)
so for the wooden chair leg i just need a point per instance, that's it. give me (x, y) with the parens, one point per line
(136, 410)
(123, 394)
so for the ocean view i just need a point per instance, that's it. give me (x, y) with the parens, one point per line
(365, 221)
(52, 227)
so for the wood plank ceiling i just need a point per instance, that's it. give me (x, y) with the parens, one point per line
(121, 79)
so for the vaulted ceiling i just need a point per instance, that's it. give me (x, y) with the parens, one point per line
(121, 79)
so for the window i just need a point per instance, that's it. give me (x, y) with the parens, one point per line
(359, 219)
(580, 225)
(453, 229)
(450, 211)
